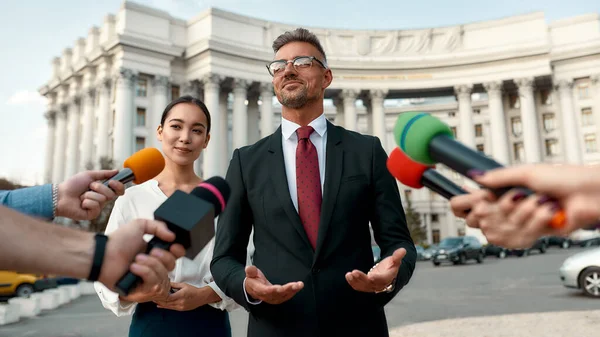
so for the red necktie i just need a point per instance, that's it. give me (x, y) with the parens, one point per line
(308, 183)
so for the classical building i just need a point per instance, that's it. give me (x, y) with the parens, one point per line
(517, 88)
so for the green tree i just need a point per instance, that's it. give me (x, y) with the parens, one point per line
(413, 221)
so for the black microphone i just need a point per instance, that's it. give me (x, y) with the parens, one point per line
(417, 175)
(428, 140)
(190, 217)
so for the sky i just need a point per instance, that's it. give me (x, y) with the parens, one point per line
(35, 31)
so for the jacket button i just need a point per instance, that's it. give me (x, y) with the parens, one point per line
(316, 270)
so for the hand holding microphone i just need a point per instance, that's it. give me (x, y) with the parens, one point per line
(428, 140)
(83, 196)
(190, 217)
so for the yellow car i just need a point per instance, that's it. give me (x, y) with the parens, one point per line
(13, 283)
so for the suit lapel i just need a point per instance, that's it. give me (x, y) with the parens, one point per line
(280, 184)
(333, 174)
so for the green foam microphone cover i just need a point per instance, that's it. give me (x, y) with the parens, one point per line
(413, 132)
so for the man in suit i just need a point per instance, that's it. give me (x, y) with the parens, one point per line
(309, 190)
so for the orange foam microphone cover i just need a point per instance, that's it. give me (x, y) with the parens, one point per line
(145, 164)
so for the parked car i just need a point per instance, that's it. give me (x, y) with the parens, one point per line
(500, 252)
(428, 253)
(420, 252)
(589, 242)
(582, 271)
(458, 250)
(559, 241)
(16, 284)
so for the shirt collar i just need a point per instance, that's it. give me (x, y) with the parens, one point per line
(288, 128)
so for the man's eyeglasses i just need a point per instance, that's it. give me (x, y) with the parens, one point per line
(300, 63)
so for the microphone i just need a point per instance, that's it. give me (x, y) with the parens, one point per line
(190, 217)
(140, 167)
(417, 175)
(428, 140)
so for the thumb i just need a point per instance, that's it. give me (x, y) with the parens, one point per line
(398, 256)
(157, 228)
(504, 176)
(251, 272)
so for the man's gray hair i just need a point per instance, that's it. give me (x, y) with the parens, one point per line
(298, 35)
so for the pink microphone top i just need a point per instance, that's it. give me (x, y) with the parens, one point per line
(215, 191)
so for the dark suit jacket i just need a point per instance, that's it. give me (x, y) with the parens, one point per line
(358, 189)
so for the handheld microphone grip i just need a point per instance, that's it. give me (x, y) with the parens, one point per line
(124, 176)
(130, 280)
(428, 140)
(440, 184)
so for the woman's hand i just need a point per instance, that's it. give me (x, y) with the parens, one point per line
(188, 297)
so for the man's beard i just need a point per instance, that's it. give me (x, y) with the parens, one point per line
(295, 99)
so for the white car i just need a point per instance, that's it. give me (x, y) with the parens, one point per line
(582, 271)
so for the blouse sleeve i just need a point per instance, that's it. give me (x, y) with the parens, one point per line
(110, 299)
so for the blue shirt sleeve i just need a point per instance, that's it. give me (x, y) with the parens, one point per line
(35, 201)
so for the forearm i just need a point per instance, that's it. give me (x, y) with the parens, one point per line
(50, 249)
(34, 201)
(209, 294)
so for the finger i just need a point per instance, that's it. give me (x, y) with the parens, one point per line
(116, 187)
(523, 211)
(141, 268)
(359, 280)
(398, 256)
(156, 228)
(177, 285)
(461, 204)
(251, 272)
(505, 176)
(480, 211)
(167, 259)
(105, 191)
(101, 174)
(92, 208)
(509, 201)
(154, 264)
(537, 226)
(95, 196)
(177, 250)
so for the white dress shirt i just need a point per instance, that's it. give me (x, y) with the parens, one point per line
(290, 143)
(141, 201)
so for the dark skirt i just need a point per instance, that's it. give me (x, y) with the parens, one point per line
(150, 321)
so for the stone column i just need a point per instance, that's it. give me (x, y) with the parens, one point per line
(225, 151)
(103, 89)
(124, 116)
(87, 133)
(58, 171)
(160, 88)
(253, 117)
(379, 127)
(366, 101)
(499, 135)
(570, 126)
(338, 102)
(50, 137)
(266, 109)
(211, 160)
(349, 97)
(466, 132)
(531, 136)
(240, 113)
(73, 137)
(190, 88)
